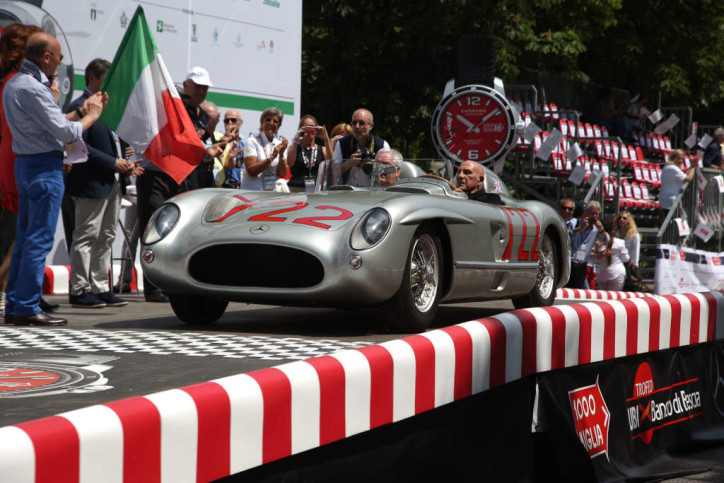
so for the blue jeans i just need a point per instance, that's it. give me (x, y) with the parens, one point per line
(40, 185)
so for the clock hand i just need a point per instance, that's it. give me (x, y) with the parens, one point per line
(476, 128)
(465, 121)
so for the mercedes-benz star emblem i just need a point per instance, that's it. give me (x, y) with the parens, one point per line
(258, 230)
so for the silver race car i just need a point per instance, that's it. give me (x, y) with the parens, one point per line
(405, 249)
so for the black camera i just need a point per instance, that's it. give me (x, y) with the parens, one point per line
(367, 158)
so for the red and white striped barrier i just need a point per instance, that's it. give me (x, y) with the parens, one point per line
(57, 277)
(210, 430)
(573, 294)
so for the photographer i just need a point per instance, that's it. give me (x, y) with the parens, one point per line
(582, 242)
(358, 149)
(311, 145)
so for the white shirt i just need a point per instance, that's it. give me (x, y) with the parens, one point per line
(619, 256)
(262, 148)
(633, 245)
(671, 180)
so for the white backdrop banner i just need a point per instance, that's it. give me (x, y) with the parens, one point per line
(685, 270)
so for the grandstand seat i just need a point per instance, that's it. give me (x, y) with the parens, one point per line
(637, 199)
(606, 150)
(627, 199)
(646, 172)
(554, 112)
(646, 196)
(632, 156)
(581, 130)
(572, 129)
(609, 189)
(639, 153)
(599, 148)
(563, 127)
(615, 150)
(638, 173)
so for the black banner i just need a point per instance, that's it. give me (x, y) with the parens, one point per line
(630, 417)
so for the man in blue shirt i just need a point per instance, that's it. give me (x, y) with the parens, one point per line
(584, 236)
(39, 131)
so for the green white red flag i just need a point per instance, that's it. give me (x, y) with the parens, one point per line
(144, 107)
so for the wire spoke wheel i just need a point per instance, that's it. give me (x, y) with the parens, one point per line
(545, 282)
(424, 273)
(412, 309)
(544, 291)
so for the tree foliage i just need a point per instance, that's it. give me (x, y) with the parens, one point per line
(395, 57)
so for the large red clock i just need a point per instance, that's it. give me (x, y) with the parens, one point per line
(474, 122)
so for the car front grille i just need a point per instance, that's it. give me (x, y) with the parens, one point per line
(256, 265)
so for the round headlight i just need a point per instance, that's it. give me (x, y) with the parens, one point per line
(371, 229)
(161, 223)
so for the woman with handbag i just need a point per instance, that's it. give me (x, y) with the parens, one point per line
(625, 228)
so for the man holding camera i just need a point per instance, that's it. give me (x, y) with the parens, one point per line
(355, 152)
(584, 237)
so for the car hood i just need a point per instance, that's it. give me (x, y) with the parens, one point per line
(329, 210)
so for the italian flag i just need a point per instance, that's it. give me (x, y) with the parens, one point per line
(144, 107)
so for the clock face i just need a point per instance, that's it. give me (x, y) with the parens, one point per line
(474, 123)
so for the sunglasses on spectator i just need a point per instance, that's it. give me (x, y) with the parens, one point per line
(231, 119)
(623, 218)
(60, 57)
(567, 208)
(358, 123)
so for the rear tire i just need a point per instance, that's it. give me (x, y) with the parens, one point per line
(198, 310)
(414, 306)
(544, 290)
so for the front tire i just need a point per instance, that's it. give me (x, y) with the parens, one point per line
(198, 310)
(544, 290)
(414, 306)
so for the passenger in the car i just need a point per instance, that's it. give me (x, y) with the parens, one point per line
(387, 166)
(470, 179)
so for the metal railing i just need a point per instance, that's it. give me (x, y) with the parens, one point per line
(695, 199)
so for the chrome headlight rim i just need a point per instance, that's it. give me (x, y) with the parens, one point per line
(162, 222)
(371, 229)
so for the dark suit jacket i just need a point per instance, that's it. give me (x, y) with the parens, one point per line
(94, 178)
(483, 197)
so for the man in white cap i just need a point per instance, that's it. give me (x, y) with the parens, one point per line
(195, 87)
(155, 186)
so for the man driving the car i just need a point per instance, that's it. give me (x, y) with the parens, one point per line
(470, 179)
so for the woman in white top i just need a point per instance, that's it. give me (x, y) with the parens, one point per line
(673, 178)
(264, 153)
(610, 258)
(625, 228)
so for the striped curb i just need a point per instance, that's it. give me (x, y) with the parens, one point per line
(569, 294)
(213, 429)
